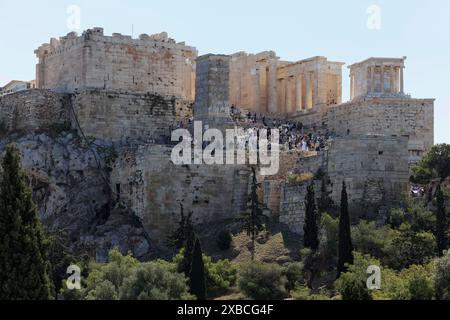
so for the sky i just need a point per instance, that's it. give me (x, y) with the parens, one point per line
(346, 30)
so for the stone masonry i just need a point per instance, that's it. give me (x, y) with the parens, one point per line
(129, 93)
(155, 64)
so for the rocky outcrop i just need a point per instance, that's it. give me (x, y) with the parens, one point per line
(71, 189)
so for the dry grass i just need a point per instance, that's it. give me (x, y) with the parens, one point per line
(269, 248)
(300, 178)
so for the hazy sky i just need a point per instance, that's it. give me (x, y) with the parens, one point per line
(296, 30)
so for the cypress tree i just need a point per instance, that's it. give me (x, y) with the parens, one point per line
(254, 217)
(311, 230)
(441, 223)
(177, 238)
(197, 275)
(345, 238)
(24, 266)
(188, 245)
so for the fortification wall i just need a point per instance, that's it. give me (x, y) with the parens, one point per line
(114, 115)
(154, 188)
(33, 110)
(375, 169)
(153, 64)
(292, 205)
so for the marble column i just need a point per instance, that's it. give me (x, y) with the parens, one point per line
(289, 95)
(352, 87)
(372, 79)
(402, 81)
(392, 79)
(308, 91)
(272, 95)
(298, 93)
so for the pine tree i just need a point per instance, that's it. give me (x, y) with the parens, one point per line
(311, 230)
(197, 274)
(345, 239)
(254, 217)
(441, 223)
(24, 266)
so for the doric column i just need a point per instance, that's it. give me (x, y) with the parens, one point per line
(272, 87)
(372, 79)
(308, 91)
(352, 86)
(282, 102)
(392, 79)
(402, 81)
(298, 93)
(288, 95)
(257, 91)
(382, 78)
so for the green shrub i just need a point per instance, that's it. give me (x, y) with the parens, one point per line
(152, 281)
(410, 248)
(352, 285)
(125, 278)
(414, 283)
(331, 228)
(263, 281)
(369, 239)
(294, 275)
(397, 218)
(220, 277)
(443, 277)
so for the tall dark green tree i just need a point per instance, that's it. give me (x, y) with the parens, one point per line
(254, 218)
(311, 230)
(189, 236)
(178, 238)
(345, 239)
(24, 266)
(442, 223)
(197, 275)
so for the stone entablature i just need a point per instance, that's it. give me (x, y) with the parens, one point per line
(377, 77)
(155, 64)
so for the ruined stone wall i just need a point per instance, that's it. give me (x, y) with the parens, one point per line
(33, 110)
(291, 163)
(154, 187)
(153, 64)
(292, 205)
(114, 115)
(375, 169)
(402, 117)
(212, 100)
